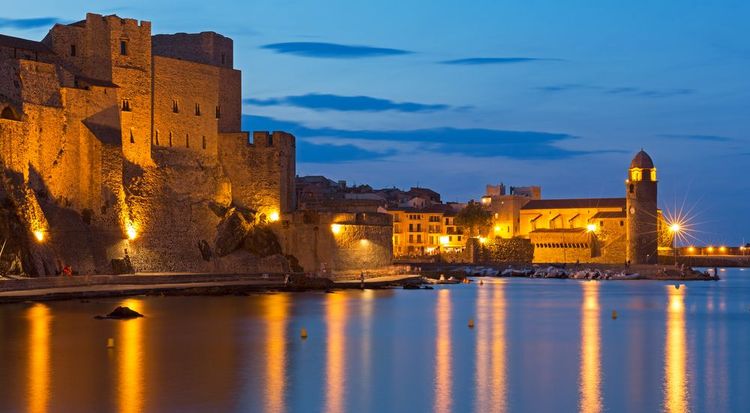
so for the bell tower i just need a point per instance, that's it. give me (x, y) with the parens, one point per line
(640, 187)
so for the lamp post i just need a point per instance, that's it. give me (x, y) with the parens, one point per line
(674, 229)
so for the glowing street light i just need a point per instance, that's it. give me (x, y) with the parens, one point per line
(590, 227)
(131, 232)
(336, 229)
(39, 235)
(273, 216)
(675, 230)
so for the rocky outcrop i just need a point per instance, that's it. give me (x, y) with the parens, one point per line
(231, 232)
(261, 241)
(120, 313)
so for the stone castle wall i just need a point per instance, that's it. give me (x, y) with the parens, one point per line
(82, 162)
(324, 241)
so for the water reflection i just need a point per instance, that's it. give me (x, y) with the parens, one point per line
(40, 321)
(443, 373)
(336, 352)
(675, 354)
(130, 360)
(276, 312)
(590, 381)
(490, 349)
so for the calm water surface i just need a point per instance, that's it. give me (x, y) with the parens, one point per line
(537, 345)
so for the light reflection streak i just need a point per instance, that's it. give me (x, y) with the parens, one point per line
(40, 321)
(675, 356)
(590, 381)
(482, 379)
(443, 368)
(499, 384)
(336, 352)
(130, 360)
(276, 312)
(368, 302)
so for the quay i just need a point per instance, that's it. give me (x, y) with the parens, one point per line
(98, 286)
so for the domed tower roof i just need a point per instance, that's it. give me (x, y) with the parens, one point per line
(642, 160)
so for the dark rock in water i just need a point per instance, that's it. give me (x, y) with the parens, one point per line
(261, 241)
(231, 232)
(120, 313)
(302, 282)
(428, 287)
(411, 287)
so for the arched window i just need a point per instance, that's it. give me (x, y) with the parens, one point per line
(170, 138)
(187, 140)
(132, 138)
(632, 188)
(204, 142)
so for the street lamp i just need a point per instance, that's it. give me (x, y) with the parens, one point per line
(674, 229)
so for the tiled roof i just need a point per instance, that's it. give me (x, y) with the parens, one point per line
(575, 203)
(609, 214)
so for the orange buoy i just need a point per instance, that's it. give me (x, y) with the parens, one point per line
(303, 333)
(471, 323)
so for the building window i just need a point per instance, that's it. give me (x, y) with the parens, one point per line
(157, 138)
(218, 112)
(601, 223)
(123, 47)
(622, 223)
(197, 109)
(223, 58)
(126, 105)
(170, 139)
(132, 139)
(204, 142)
(187, 140)
(632, 188)
(73, 50)
(175, 106)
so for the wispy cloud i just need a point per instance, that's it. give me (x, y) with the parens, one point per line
(481, 143)
(469, 61)
(32, 23)
(317, 101)
(703, 138)
(629, 91)
(332, 50)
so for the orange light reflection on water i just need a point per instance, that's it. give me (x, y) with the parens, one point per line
(675, 354)
(276, 308)
(591, 376)
(443, 368)
(40, 321)
(129, 351)
(490, 380)
(336, 352)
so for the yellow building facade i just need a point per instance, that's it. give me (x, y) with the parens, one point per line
(427, 231)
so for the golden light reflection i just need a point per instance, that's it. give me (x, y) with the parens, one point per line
(40, 320)
(130, 361)
(675, 356)
(443, 367)
(499, 384)
(276, 313)
(336, 352)
(590, 381)
(490, 380)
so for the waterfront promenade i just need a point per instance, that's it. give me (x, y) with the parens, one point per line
(91, 286)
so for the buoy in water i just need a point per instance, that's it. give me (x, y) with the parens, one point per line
(303, 333)
(614, 314)
(471, 323)
(481, 282)
(110, 342)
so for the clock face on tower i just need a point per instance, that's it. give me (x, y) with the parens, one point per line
(632, 210)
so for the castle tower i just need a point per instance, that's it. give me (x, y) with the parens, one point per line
(640, 198)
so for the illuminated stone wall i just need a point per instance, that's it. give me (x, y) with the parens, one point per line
(337, 242)
(606, 245)
(81, 161)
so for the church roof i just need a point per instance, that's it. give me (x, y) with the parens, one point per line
(575, 203)
(642, 160)
(609, 214)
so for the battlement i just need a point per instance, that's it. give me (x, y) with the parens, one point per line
(115, 20)
(206, 47)
(277, 139)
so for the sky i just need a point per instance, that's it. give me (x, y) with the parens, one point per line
(457, 95)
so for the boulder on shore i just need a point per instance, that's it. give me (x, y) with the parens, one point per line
(120, 313)
(231, 232)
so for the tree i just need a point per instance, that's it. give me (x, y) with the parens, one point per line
(474, 218)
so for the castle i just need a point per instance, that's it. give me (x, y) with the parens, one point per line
(114, 140)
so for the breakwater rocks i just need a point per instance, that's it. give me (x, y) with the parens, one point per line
(600, 272)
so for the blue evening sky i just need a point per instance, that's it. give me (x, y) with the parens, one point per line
(455, 95)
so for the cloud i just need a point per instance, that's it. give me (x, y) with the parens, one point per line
(317, 101)
(332, 50)
(482, 143)
(704, 138)
(493, 60)
(32, 23)
(629, 91)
